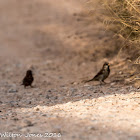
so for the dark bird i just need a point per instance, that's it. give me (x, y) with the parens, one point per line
(102, 74)
(28, 79)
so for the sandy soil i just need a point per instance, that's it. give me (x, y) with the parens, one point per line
(61, 46)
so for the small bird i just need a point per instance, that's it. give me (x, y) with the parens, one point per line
(102, 74)
(28, 79)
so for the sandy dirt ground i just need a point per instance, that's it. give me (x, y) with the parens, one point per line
(60, 45)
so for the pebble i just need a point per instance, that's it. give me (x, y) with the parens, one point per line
(132, 93)
(37, 109)
(75, 83)
(44, 115)
(29, 123)
(112, 84)
(28, 102)
(91, 88)
(13, 90)
(92, 128)
(101, 98)
(47, 96)
(15, 119)
(73, 90)
(49, 91)
(54, 98)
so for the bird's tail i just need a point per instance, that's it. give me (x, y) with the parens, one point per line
(86, 81)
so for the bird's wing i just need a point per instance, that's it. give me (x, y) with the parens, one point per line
(98, 74)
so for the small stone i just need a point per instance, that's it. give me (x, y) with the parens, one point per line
(74, 83)
(120, 72)
(73, 90)
(29, 102)
(92, 128)
(14, 104)
(112, 84)
(37, 109)
(49, 91)
(29, 123)
(47, 96)
(132, 93)
(60, 77)
(15, 119)
(90, 88)
(74, 14)
(44, 115)
(12, 90)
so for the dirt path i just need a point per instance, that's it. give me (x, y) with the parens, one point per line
(52, 39)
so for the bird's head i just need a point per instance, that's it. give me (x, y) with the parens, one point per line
(29, 72)
(106, 65)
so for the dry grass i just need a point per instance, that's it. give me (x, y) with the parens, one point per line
(123, 17)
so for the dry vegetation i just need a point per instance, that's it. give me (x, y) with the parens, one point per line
(126, 15)
(124, 20)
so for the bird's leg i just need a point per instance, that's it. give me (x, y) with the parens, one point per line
(102, 82)
(31, 86)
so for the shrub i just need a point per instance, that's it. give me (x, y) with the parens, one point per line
(125, 15)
